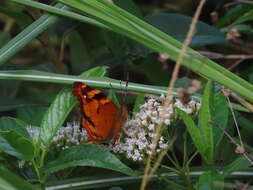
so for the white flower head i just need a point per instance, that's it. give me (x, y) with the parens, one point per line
(138, 133)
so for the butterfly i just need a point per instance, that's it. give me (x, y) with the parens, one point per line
(101, 118)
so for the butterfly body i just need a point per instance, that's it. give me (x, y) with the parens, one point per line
(101, 118)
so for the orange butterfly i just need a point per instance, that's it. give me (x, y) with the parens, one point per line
(101, 118)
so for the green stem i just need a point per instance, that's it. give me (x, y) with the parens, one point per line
(184, 173)
(41, 164)
(37, 170)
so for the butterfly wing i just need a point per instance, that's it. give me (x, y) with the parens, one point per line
(102, 119)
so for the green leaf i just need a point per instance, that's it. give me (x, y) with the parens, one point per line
(10, 181)
(129, 6)
(210, 180)
(244, 122)
(206, 129)
(88, 155)
(9, 123)
(233, 14)
(240, 163)
(113, 97)
(31, 114)
(95, 72)
(194, 133)
(33, 75)
(140, 99)
(219, 114)
(8, 149)
(22, 147)
(205, 34)
(243, 18)
(55, 116)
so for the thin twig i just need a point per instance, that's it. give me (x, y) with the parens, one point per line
(234, 118)
(215, 55)
(246, 154)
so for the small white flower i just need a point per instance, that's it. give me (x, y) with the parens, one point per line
(156, 104)
(167, 122)
(151, 127)
(154, 113)
(144, 123)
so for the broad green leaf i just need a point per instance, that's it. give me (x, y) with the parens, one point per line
(9, 123)
(206, 129)
(88, 155)
(240, 163)
(8, 149)
(210, 180)
(205, 34)
(140, 99)
(10, 181)
(31, 114)
(23, 147)
(219, 114)
(195, 134)
(55, 116)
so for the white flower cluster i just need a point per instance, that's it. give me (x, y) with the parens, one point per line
(137, 134)
(71, 135)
